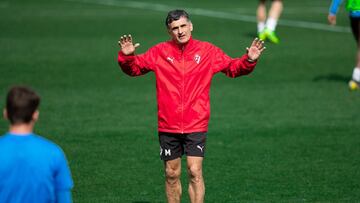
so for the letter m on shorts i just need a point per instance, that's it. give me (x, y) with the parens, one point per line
(167, 152)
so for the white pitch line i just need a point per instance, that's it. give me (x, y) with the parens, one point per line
(216, 14)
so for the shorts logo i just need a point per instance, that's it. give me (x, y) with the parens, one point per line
(201, 148)
(167, 152)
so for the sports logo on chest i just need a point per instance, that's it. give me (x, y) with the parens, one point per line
(197, 58)
(170, 59)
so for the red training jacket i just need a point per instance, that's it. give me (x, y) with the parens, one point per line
(183, 78)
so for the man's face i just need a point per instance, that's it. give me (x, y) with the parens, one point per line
(180, 30)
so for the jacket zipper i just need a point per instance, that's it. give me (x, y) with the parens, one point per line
(183, 90)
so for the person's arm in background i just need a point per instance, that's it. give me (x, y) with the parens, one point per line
(333, 10)
(63, 179)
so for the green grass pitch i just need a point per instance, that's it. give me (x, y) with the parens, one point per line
(289, 132)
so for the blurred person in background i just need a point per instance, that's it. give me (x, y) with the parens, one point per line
(267, 24)
(32, 168)
(353, 6)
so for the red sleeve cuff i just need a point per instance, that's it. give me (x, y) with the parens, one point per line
(125, 58)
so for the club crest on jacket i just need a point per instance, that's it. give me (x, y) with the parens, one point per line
(197, 58)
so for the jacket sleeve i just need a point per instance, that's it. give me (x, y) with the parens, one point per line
(136, 65)
(231, 67)
(334, 6)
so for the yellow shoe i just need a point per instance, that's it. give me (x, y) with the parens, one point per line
(353, 85)
(262, 35)
(272, 36)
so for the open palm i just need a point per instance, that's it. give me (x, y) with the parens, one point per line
(127, 46)
(256, 48)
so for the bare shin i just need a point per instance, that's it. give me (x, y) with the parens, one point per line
(172, 180)
(196, 180)
(261, 13)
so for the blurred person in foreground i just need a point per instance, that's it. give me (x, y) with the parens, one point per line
(184, 68)
(32, 168)
(353, 6)
(267, 24)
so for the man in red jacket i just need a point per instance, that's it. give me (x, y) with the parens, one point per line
(184, 68)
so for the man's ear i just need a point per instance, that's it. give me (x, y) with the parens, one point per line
(5, 114)
(35, 115)
(168, 31)
(191, 26)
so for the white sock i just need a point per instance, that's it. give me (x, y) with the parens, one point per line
(271, 24)
(261, 26)
(356, 74)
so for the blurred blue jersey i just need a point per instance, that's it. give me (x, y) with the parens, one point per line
(335, 6)
(33, 170)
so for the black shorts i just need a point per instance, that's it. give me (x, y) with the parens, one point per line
(355, 28)
(174, 145)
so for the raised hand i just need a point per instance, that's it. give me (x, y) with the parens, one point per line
(126, 45)
(255, 50)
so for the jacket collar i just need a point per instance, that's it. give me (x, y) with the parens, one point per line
(183, 47)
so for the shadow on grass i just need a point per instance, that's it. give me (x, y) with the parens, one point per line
(332, 77)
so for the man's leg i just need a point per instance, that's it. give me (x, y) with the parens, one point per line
(272, 20)
(196, 180)
(356, 71)
(356, 33)
(354, 83)
(261, 18)
(276, 10)
(172, 180)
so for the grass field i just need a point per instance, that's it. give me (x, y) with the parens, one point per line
(289, 132)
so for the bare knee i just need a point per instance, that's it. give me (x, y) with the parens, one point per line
(172, 175)
(195, 174)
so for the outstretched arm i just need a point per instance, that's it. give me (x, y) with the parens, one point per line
(131, 64)
(234, 67)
